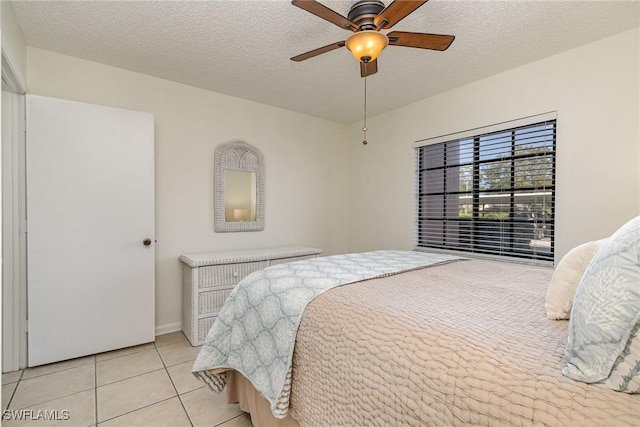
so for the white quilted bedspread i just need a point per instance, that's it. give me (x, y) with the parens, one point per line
(462, 343)
(255, 330)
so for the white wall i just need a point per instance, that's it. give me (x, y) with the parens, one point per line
(595, 91)
(306, 164)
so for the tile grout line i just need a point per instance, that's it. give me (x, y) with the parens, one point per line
(128, 378)
(54, 399)
(170, 343)
(137, 409)
(174, 387)
(123, 355)
(231, 419)
(51, 373)
(14, 389)
(95, 389)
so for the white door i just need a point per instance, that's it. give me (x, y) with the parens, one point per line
(90, 206)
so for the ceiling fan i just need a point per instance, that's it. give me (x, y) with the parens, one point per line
(366, 18)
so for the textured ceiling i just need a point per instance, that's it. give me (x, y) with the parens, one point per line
(242, 48)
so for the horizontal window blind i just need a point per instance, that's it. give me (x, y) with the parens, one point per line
(491, 193)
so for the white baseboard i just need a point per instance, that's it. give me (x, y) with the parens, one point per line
(171, 327)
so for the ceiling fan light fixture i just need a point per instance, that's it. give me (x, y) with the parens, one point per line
(366, 44)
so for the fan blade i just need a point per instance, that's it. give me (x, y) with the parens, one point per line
(318, 51)
(420, 40)
(325, 13)
(396, 12)
(370, 67)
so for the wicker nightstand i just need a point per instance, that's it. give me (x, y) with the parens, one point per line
(208, 278)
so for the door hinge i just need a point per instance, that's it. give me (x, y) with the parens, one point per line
(23, 227)
(25, 326)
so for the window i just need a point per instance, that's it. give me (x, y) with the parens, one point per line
(490, 193)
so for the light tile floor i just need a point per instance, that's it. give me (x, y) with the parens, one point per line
(147, 385)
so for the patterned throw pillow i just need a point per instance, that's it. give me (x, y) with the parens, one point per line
(604, 343)
(567, 275)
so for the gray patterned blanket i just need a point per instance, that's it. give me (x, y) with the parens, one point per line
(256, 329)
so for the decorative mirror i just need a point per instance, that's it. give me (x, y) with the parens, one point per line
(239, 188)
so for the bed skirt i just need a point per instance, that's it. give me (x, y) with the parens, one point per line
(240, 390)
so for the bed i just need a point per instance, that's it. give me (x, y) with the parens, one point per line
(460, 343)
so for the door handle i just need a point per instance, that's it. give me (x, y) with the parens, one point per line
(146, 242)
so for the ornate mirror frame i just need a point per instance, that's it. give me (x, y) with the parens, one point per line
(237, 156)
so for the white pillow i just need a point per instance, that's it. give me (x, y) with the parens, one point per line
(565, 279)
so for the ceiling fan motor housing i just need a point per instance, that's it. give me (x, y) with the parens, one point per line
(363, 12)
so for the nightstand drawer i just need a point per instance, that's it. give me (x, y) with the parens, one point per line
(212, 301)
(229, 274)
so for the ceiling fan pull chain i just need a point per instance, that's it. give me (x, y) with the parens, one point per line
(364, 128)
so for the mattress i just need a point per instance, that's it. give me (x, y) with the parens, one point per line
(462, 343)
